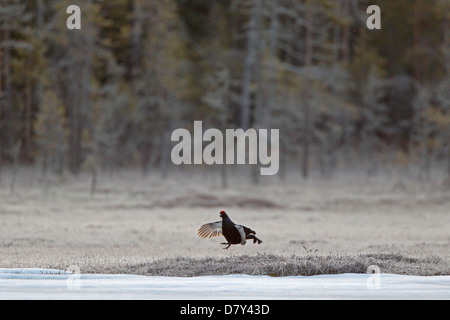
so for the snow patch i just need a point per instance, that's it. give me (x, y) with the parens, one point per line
(58, 284)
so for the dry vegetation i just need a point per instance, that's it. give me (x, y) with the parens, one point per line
(138, 225)
(279, 266)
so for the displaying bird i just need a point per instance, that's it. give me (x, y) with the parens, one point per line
(233, 233)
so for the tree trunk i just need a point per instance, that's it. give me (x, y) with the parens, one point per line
(307, 90)
(224, 176)
(6, 89)
(306, 134)
(346, 34)
(16, 155)
(448, 164)
(28, 119)
(165, 149)
(94, 180)
(80, 88)
(136, 32)
(6, 63)
(2, 142)
(250, 60)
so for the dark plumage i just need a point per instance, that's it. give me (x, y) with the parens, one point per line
(233, 233)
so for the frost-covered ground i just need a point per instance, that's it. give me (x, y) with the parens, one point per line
(54, 222)
(54, 284)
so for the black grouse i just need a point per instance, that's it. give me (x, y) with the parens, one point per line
(233, 233)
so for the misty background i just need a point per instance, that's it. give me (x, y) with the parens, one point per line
(107, 97)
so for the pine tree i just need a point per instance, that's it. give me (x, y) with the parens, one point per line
(51, 132)
(75, 51)
(161, 85)
(13, 39)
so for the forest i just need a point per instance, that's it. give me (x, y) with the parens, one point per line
(108, 96)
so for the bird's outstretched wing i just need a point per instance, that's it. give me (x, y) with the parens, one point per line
(210, 230)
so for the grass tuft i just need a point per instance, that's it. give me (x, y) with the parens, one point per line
(281, 266)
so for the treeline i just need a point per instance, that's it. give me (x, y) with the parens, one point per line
(109, 95)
